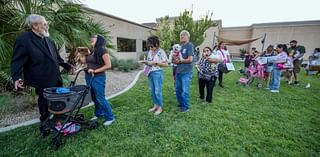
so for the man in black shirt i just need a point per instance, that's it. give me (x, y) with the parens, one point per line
(36, 57)
(297, 52)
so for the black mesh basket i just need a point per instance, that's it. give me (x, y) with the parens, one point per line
(62, 103)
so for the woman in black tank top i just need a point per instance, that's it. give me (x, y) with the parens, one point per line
(98, 62)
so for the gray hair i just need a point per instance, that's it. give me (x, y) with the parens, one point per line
(185, 32)
(32, 19)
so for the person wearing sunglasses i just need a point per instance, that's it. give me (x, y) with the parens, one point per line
(156, 59)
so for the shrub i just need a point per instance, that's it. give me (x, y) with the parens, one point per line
(114, 63)
(143, 56)
(124, 65)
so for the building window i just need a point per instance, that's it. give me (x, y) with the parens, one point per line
(126, 45)
(144, 46)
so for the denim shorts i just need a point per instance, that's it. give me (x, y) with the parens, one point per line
(268, 69)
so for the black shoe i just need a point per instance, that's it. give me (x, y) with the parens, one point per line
(296, 82)
(221, 85)
(44, 131)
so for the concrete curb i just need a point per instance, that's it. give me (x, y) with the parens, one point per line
(33, 121)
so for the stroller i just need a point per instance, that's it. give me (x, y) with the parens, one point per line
(255, 70)
(313, 66)
(64, 105)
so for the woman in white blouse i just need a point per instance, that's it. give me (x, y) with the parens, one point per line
(224, 54)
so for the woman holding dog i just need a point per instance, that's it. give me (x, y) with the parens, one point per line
(98, 61)
(157, 59)
(207, 73)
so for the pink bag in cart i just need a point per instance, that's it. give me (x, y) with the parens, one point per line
(244, 81)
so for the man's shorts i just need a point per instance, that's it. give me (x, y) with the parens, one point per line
(297, 66)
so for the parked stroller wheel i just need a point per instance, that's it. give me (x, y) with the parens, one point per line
(56, 143)
(93, 124)
(80, 117)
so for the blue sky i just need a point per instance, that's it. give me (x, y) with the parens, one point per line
(231, 12)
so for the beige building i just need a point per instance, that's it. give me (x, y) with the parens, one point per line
(129, 37)
(307, 33)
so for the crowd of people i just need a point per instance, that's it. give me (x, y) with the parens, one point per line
(278, 61)
(35, 56)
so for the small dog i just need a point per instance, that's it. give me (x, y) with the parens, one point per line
(80, 57)
(176, 52)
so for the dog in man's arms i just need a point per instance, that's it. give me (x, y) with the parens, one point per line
(80, 57)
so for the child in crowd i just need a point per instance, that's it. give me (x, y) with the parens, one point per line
(268, 67)
(281, 58)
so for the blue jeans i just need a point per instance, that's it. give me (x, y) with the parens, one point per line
(102, 107)
(183, 81)
(275, 79)
(155, 86)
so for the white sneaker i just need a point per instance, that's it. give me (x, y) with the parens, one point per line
(308, 85)
(94, 118)
(274, 91)
(109, 122)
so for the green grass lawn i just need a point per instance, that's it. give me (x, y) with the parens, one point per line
(241, 121)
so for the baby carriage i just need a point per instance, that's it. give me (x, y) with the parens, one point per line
(255, 70)
(64, 105)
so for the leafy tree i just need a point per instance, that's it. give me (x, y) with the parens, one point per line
(164, 33)
(171, 33)
(69, 24)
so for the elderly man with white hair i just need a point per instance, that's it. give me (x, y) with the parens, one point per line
(35, 62)
(184, 71)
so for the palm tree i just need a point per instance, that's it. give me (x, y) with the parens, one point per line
(70, 24)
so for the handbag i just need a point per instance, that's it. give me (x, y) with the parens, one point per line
(223, 67)
(147, 70)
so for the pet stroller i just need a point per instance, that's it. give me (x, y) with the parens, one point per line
(313, 66)
(64, 105)
(255, 70)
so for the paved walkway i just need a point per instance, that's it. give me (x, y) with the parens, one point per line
(117, 83)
